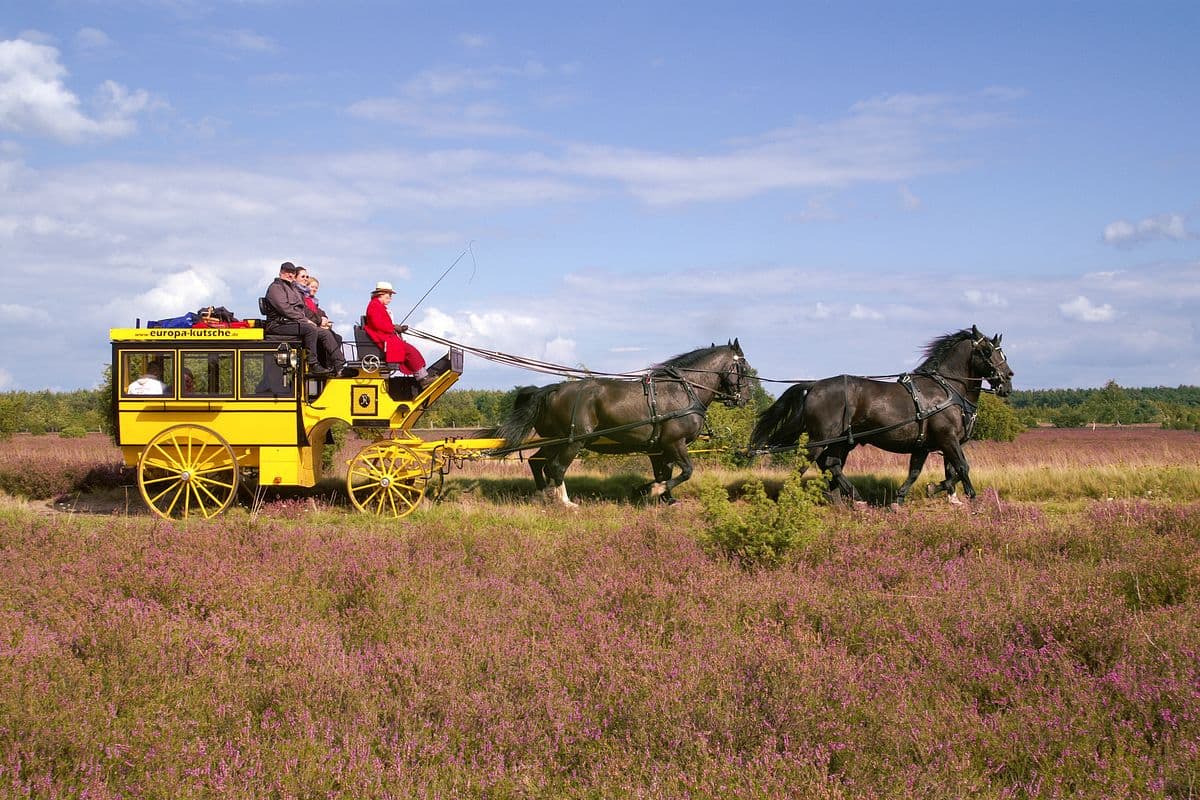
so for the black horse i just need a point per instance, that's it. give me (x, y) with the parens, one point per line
(658, 414)
(930, 409)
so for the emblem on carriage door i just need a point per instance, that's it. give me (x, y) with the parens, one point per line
(364, 401)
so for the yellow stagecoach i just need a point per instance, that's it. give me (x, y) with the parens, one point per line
(228, 405)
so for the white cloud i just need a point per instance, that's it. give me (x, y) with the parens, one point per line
(23, 314)
(172, 296)
(244, 41)
(561, 350)
(859, 311)
(1123, 233)
(982, 299)
(908, 200)
(1083, 310)
(37, 37)
(437, 119)
(92, 40)
(887, 139)
(34, 100)
(473, 41)
(817, 209)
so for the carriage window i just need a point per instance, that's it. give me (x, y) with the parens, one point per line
(262, 377)
(206, 374)
(148, 372)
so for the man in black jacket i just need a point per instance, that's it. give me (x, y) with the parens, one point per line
(287, 315)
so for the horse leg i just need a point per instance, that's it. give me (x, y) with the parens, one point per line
(835, 458)
(947, 485)
(916, 463)
(661, 465)
(537, 466)
(840, 486)
(556, 470)
(676, 454)
(957, 460)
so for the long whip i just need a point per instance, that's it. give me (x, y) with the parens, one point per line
(443, 275)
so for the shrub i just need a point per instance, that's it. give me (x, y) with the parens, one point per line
(997, 422)
(73, 431)
(759, 531)
(730, 434)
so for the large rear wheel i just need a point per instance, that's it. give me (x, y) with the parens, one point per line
(188, 470)
(387, 479)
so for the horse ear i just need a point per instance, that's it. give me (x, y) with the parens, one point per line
(996, 339)
(975, 331)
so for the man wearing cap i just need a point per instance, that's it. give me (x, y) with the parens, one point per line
(386, 334)
(287, 316)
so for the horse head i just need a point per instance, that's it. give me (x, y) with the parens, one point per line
(735, 381)
(989, 362)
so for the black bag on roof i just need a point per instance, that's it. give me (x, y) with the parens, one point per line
(218, 313)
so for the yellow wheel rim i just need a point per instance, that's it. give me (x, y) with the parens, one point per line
(387, 479)
(187, 471)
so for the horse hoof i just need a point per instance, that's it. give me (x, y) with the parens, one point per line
(658, 489)
(954, 501)
(930, 490)
(894, 507)
(861, 504)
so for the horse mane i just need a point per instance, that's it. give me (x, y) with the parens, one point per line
(683, 360)
(941, 347)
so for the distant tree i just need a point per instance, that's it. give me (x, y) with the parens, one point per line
(1110, 405)
(1067, 417)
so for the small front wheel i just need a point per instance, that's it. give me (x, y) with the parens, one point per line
(188, 470)
(387, 479)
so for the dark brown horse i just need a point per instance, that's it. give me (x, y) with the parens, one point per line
(931, 409)
(659, 414)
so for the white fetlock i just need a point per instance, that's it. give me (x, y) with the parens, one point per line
(566, 501)
(954, 501)
(658, 489)
(550, 495)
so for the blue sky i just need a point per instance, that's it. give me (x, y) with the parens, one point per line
(834, 184)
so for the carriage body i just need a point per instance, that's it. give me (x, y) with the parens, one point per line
(231, 406)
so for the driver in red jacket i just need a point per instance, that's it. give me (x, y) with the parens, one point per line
(386, 334)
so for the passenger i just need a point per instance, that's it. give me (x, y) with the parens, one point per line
(386, 334)
(189, 381)
(309, 282)
(150, 381)
(287, 315)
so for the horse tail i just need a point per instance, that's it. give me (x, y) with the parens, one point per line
(783, 421)
(527, 407)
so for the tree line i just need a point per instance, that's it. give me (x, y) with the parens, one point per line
(87, 410)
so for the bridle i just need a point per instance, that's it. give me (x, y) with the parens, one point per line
(730, 396)
(987, 350)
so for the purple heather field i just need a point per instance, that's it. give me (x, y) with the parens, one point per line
(490, 649)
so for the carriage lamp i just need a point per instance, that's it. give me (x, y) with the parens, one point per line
(285, 357)
(287, 360)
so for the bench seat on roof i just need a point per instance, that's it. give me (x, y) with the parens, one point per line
(263, 307)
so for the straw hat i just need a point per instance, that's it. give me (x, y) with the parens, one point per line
(383, 287)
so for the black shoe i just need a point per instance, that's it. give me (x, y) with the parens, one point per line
(347, 372)
(317, 371)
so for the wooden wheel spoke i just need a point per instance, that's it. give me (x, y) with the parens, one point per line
(200, 486)
(387, 479)
(188, 469)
